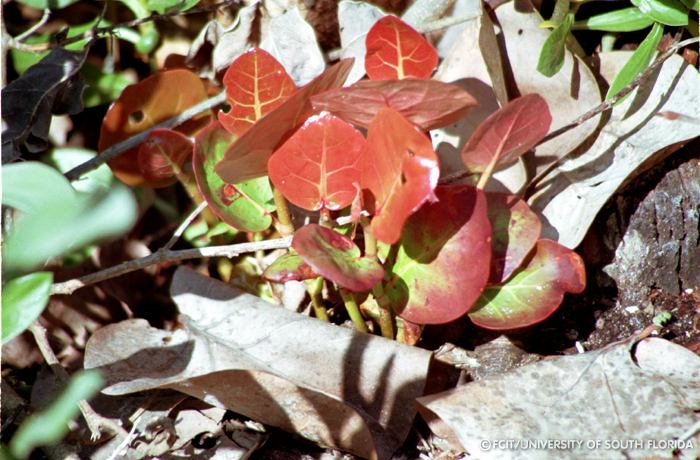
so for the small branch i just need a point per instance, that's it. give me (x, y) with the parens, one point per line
(29, 32)
(117, 149)
(183, 226)
(166, 256)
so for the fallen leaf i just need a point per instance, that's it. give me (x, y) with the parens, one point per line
(248, 156)
(318, 166)
(401, 170)
(355, 19)
(443, 260)
(337, 258)
(53, 85)
(428, 104)
(344, 389)
(584, 398)
(396, 51)
(570, 197)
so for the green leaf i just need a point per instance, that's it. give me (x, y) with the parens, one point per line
(23, 300)
(51, 425)
(639, 60)
(669, 12)
(170, 6)
(103, 87)
(65, 159)
(692, 4)
(31, 186)
(48, 4)
(624, 20)
(289, 267)
(553, 51)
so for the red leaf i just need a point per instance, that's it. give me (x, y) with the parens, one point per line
(515, 231)
(442, 263)
(162, 156)
(289, 267)
(255, 84)
(534, 292)
(142, 106)
(337, 258)
(508, 133)
(400, 168)
(317, 167)
(428, 104)
(396, 51)
(248, 156)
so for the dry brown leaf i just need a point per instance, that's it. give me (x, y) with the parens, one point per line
(332, 385)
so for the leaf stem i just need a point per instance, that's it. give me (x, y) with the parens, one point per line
(286, 228)
(486, 175)
(385, 320)
(315, 288)
(353, 310)
(370, 240)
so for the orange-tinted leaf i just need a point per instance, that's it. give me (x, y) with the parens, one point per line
(516, 229)
(337, 258)
(428, 104)
(162, 156)
(442, 263)
(317, 167)
(255, 84)
(289, 267)
(508, 133)
(396, 51)
(142, 106)
(248, 156)
(400, 168)
(535, 290)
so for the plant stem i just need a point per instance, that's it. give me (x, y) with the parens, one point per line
(353, 310)
(386, 320)
(370, 240)
(315, 288)
(486, 175)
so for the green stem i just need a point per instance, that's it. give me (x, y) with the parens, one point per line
(314, 288)
(386, 321)
(286, 227)
(353, 310)
(370, 240)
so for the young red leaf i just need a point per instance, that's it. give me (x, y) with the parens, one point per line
(428, 104)
(535, 290)
(162, 156)
(396, 51)
(443, 260)
(289, 267)
(400, 168)
(142, 106)
(317, 167)
(508, 133)
(516, 229)
(255, 84)
(337, 258)
(248, 156)
(245, 205)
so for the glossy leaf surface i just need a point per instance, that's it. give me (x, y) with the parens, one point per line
(516, 229)
(428, 104)
(142, 106)
(622, 20)
(534, 292)
(247, 158)
(396, 51)
(255, 84)
(289, 267)
(669, 12)
(508, 133)
(443, 260)
(162, 156)
(337, 258)
(318, 166)
(245, 205)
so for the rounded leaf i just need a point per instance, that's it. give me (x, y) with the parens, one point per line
(23, 300)
(289, 267)
(162, 156)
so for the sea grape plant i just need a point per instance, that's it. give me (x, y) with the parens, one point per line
(415, 249)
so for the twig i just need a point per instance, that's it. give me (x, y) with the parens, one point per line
(183, 226)
(167, 255)
(95, 422)
(117, 149)
(29, 32)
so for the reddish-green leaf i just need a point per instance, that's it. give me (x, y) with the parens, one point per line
(535, 290)
(244, 205)
(248, 156)
(400, 168)
(396, 51)
(142, 106)
(516, 229)
(317, 167)
(337, 258)
(443, 260)
(162, 156)
(508, 133)
(428, 104)
(289, 267)
(255, 84)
